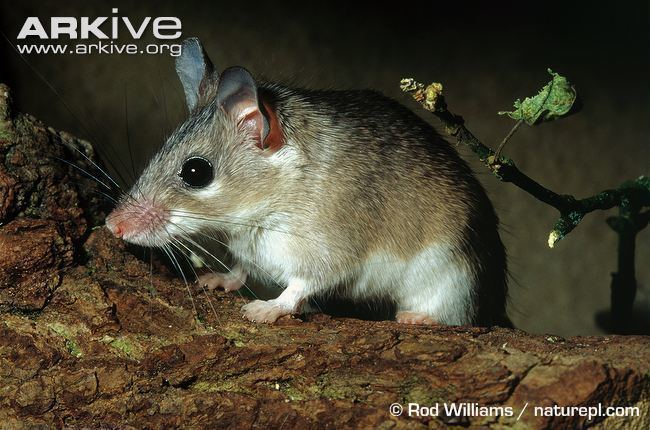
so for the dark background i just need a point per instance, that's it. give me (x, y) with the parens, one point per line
(486, 54)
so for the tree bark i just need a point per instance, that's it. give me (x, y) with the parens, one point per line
(115, 344)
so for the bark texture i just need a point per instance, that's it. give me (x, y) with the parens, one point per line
(92, 337)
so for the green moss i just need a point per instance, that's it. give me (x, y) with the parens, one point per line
(413, 390)
(73, 348)
(425, 395)
(212, 387)
(334, 387)
(338, 392)
(124, 347)
(228, 385)
(6, 133)
(292, 392)
(68, 335)
(235, 336)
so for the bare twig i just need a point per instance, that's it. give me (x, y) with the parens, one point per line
(505, 140)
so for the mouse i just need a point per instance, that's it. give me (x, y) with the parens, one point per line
(341, 193)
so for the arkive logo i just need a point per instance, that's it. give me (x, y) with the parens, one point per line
(103, 27)
(67, 35)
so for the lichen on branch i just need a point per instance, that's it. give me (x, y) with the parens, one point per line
(555, 100)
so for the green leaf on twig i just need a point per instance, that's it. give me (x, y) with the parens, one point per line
(554, 101)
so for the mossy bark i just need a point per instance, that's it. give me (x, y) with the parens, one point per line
(116, 344)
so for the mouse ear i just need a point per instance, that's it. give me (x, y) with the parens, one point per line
(196, 73)
(237, 95)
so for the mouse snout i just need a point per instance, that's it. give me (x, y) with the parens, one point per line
(132, 221)
(114, 227)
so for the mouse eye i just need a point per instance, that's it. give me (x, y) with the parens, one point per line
(197, 172)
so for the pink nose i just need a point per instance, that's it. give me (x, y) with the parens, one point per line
(115, 227)
(130, 220)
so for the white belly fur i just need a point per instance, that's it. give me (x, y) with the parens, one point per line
(433, 282)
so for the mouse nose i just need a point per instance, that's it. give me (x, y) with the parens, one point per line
(132, 221)
(114, 226)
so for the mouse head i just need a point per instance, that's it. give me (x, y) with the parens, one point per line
(220, 169)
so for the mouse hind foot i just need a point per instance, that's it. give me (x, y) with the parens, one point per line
(420, 318)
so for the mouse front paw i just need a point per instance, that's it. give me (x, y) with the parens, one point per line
(227, 281)
(265, 311)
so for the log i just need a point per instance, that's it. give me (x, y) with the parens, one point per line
(114, 342)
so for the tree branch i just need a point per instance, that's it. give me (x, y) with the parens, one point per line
(632, 194)
(507, 138)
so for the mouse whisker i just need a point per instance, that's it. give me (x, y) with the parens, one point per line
(96, 166)
(268, 275)
(177, 266)
(206, 217)
(85, 172)
(112, 199)
(201, 248)
(103, 184)
(178, 242)
(193, 215)
(248, 260)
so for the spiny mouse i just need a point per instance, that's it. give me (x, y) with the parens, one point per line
(345, 193)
